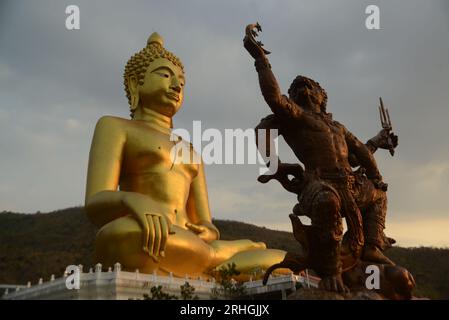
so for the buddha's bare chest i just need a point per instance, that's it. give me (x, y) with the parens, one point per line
(151, 151)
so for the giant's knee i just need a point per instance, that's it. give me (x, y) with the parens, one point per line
(326, 217)
(326, 202)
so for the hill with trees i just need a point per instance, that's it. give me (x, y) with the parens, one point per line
(34, 246)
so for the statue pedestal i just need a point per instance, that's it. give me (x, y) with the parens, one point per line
(122, 285)
(109, 285)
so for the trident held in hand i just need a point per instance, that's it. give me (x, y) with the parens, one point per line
(386, 124)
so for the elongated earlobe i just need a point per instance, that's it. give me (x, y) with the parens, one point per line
(134, 102)
(132, 85)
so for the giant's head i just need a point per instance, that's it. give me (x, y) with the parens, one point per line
(308, 94)
(154, 79)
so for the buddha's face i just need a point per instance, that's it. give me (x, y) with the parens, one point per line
(163, 87)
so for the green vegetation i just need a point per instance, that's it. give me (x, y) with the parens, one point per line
(188, 292)
(158, 294)
(227, 287)
(38, 245)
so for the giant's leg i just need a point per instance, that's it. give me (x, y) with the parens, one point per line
(326, 237)
(374, 225)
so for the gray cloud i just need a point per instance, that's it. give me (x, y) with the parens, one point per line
(55, 84)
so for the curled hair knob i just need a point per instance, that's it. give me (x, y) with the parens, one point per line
(155, 38)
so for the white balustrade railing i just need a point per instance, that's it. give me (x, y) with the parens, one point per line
(142, 280)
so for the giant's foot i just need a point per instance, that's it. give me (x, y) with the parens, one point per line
(372, 253)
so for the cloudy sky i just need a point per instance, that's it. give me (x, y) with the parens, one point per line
(55, 84)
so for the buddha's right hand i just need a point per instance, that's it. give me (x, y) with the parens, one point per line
(155, 226)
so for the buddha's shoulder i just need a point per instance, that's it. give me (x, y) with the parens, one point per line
(113, 123)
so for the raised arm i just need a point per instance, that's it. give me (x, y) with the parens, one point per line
(280, 104)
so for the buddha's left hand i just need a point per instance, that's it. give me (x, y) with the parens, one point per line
(206, 231)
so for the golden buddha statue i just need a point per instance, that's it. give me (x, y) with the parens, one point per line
(153, 213)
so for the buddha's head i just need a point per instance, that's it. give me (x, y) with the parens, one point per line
(154, 79)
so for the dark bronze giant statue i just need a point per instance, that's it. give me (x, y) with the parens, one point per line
(329, 188)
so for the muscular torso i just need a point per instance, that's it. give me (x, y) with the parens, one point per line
(318, 143)
(147, 168)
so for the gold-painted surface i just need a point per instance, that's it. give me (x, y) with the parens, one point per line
(154, 214)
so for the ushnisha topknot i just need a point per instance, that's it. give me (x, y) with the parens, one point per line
(137, 65)
(156, 39)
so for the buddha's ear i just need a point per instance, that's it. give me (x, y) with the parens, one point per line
(132, 86)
